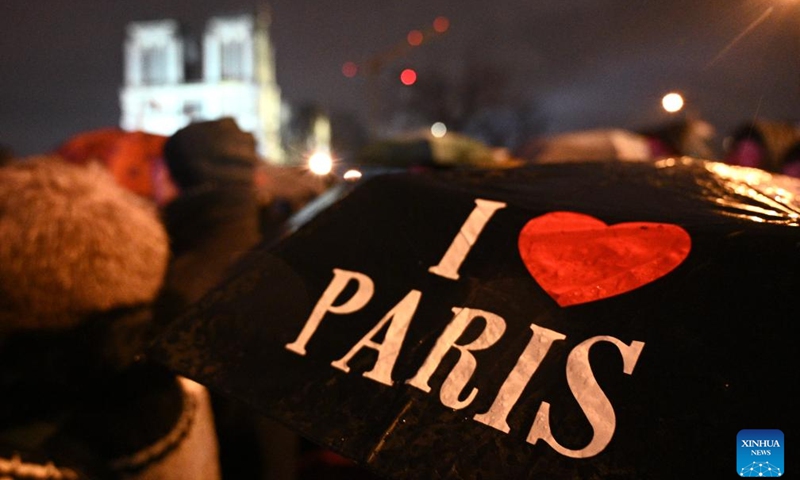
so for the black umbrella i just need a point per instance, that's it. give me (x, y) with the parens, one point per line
(600, 320)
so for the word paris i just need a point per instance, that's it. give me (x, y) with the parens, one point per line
(587, 392)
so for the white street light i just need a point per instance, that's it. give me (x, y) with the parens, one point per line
(672, 102)
(438, 129)
(320, 163)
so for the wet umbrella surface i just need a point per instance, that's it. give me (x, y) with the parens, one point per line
(597, 320)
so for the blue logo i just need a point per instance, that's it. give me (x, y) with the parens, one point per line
(759, 453)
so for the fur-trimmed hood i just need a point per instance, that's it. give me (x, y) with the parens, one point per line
(73, 243)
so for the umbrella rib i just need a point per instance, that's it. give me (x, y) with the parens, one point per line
(382, 441)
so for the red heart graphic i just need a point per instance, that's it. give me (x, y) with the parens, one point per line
(577, 258)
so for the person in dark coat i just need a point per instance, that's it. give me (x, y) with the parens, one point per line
(214, 218)
(81, 261)
(213, 221)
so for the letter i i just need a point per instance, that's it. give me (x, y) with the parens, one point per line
(466, 238)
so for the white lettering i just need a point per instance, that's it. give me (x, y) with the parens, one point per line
(451, 261)
(515, 383)
(341, 278)
(457, 379)
(760, 443)
(400, 317)
(590, 397)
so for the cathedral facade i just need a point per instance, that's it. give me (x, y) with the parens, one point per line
(171, 80)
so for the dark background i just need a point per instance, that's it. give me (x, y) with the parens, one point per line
(577, 64)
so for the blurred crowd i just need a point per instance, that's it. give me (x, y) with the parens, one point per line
(770, 145)
(109, 237)
(106, 240)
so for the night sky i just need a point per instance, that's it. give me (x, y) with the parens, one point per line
(584, 63)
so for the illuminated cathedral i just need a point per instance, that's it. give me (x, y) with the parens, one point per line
(171, 79)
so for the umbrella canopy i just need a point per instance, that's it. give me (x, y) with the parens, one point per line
(134, 158)
(689, 136)
(586, 145)
(426, 150)
(597, 320)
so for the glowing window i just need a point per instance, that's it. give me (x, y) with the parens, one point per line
(232, 60)
(154, 66)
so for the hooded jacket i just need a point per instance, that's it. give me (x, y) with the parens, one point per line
(212, 223)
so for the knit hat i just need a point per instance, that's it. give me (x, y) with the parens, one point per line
(74, 244)
(215, 153)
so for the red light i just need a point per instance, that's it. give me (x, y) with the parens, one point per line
(408, 76)
(415, 38)
(441, 24)
(349, 69)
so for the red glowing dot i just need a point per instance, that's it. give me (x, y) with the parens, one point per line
(415, 38)
(441, 24)
(408, 76)
(349, 69)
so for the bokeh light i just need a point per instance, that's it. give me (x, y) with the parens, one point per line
(320, 163)
(441, 24)
(438, 129)
(415, 38)
(352, 175)
(672, 102)
(349, 69)
(408, 76)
